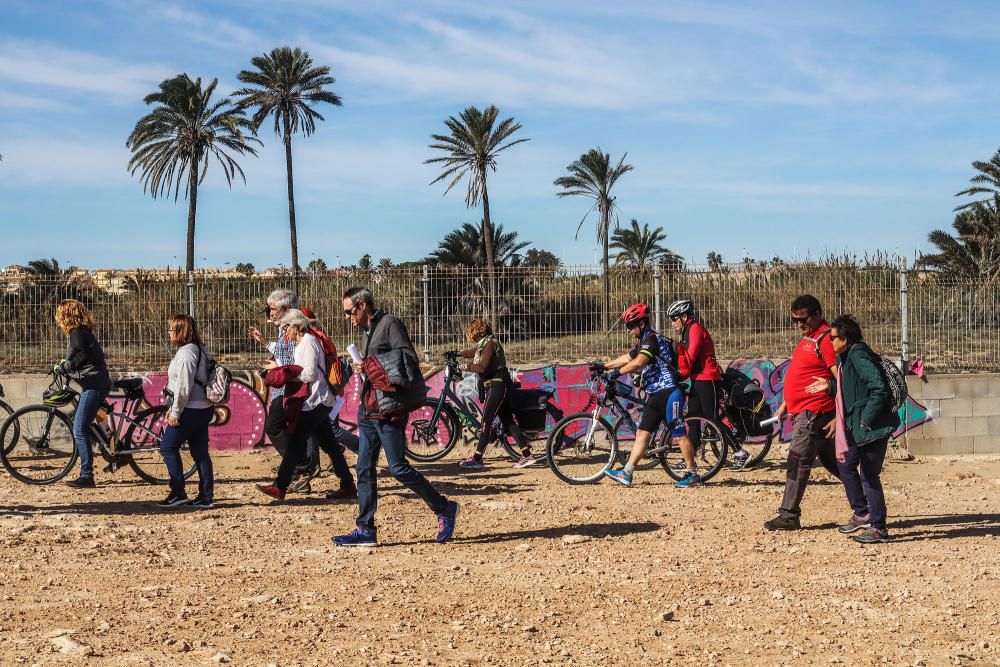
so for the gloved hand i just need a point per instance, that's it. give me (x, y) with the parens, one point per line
(59, 367)
(595, 366)
(614, 374)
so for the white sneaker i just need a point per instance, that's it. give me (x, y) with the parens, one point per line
(740, 460)
(530, 460)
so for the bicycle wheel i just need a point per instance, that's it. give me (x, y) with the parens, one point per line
(7, 411)
(552, 416)
(580, 448)
(38, 446)
(758, 447)
(626, 439)
(426, 441)
(709, 454)
(141, 447)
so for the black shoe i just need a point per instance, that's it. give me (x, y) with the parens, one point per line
(173, 501)
(202, 504)
(781, 523)
(82, 483)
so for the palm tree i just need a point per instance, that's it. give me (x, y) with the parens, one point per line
(173, 144)
(47, 268)
(714, 261)
(987, 181)
(593, 176)
(974, 252)
(471, 149)
(316, 267)
(642, 247)
(286, 85)
(365, 263)
(385, 264)
(465, 247)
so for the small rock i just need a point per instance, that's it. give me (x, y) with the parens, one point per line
(665, 616)
(575, 539)
(777, 595)
(220, 658)
(523, 547)
(529, 628)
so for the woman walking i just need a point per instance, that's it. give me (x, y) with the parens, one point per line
(84, 363)
(189, 414)
(307, 404)
(489, 362)
(865, 421)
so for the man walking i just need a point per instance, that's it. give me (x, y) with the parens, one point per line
(385, 333)
(283, 351)
(812, 437)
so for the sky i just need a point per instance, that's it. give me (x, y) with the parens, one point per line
(762, 129)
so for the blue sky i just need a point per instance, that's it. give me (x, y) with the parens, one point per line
(769, 128)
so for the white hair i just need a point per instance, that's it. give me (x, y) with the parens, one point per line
(283, 298)
(294, 317)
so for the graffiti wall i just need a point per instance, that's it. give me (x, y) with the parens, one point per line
(240, 424)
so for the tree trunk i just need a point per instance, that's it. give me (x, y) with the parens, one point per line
(606, 291)
(291, 206)
(192, 212)
(490, 258)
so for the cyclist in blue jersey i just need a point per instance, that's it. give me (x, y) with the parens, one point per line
(653, 355)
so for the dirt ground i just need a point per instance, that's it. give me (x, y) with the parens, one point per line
(539, 573)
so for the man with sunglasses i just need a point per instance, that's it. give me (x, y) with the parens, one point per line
(654, 357)
(813, 413)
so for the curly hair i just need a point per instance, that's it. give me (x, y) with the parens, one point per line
(71, 314)
(477, 328)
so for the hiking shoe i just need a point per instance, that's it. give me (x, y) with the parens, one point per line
(359, 537)
(173, 501)
(446, 522)
(300, 485)
(343, 493)
(854, 523)
(692, 479)
(781, 523)
(620, 476)
(82, 483)
(530, 460)
(471, 463)
(740, 460)
(202, 504)
(872, 535)
(275, 492)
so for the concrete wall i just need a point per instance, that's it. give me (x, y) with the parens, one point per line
(964, 415)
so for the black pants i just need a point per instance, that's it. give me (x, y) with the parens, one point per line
(315, 422)
(274, 425)
(498, 405)
(704, 402)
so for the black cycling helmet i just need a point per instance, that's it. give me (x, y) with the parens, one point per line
(682, 307)
(57, 397)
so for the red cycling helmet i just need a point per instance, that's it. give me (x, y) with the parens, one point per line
(634, 313)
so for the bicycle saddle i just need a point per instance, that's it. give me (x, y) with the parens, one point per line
(129, 384)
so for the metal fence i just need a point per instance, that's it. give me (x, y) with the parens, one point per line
(542, 315)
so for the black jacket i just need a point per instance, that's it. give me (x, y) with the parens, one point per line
(85, 360)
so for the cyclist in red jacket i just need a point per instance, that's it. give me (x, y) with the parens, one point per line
(696, 361)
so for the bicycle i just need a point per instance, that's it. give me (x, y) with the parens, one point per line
(5, 409)
(434, 427)
(583, 445)
(38, 445)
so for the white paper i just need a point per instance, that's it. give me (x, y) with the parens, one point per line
(768, 422)
(352, 350)
(337, 405)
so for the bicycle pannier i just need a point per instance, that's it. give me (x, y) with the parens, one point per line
(529, 407)
(746, 406)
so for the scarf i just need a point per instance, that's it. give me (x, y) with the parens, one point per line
(840, 437)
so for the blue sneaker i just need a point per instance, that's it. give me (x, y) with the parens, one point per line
(692, 479)
(358, 537)
(446, 522)
(620, 476)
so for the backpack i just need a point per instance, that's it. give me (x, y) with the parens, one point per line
(816, 341)
(895, 382)
(338, 369)
(745, 404)
(217, 382)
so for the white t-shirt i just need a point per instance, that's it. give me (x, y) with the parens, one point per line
(309, 355)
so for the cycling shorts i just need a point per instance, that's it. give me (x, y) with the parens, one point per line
(664, 406)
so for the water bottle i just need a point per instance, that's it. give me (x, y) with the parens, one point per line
(103, 424)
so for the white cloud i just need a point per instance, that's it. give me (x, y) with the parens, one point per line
(54, 68)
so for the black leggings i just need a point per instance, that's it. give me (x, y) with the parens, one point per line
(313, 423)
(497, 405)
(704, 402)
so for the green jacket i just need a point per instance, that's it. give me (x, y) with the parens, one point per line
(868, 412)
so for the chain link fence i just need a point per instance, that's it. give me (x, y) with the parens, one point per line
(543, 315)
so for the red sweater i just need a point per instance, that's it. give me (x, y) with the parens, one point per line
(805, 367)
(696, 352)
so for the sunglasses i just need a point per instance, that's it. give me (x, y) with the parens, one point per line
(833, 337)
(801, 320)
(348, 313)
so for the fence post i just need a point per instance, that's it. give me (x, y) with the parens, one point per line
(904, 316)
(426, 315)
(657, 317)
(190, 293)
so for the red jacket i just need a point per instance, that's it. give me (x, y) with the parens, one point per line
(296, 392)
(696, 353)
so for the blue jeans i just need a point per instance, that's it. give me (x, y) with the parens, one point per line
(380, 434)
(90, 402)
(864, 491)
(194, 431)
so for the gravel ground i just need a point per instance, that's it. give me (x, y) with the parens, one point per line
(539, 573)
